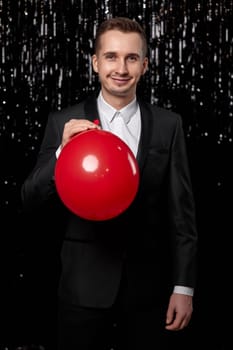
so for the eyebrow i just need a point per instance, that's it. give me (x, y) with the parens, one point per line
(115, 53)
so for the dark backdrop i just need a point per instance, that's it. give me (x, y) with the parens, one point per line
(45, 56)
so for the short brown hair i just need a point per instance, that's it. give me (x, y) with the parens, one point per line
(123, 24)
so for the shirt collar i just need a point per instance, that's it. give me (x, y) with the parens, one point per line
(109, 112)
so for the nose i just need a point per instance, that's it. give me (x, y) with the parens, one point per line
(122, 66)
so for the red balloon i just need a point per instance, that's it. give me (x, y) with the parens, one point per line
(96, 175)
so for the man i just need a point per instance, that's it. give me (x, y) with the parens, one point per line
(127, 281)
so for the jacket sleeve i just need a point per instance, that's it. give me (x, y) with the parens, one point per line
(39, 186)
(182, 212)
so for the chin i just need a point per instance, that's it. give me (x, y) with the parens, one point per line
(120, 93)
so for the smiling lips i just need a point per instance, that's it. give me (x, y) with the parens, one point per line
(120, 81)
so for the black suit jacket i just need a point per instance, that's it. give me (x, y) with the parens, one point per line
(154, 241)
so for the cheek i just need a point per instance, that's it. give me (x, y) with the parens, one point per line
(139, 73)
(104, 69)
(138, 70)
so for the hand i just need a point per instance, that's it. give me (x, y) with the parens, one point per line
(179, 311)
(74, 126)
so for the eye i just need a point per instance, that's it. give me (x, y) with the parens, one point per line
(110, 56)
(132, 58)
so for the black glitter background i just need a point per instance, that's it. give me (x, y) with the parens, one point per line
(46, 47)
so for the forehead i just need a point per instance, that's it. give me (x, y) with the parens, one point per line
(117, 41)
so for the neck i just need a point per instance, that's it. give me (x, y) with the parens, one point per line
(117, 102)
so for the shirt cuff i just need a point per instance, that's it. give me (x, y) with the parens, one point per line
(58, 151)
(183, 290)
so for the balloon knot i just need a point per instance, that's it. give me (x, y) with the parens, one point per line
(96, 121)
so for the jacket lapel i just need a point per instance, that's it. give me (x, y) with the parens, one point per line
(90, 108)
(147, 121)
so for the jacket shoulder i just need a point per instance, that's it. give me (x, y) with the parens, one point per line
(69, 111)
(85, 109)
(160, 114)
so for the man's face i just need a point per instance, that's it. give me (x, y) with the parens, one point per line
(119, 63)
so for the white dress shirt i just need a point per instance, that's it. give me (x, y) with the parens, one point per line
(125, 123)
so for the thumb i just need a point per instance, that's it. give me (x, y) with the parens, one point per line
(170, 316)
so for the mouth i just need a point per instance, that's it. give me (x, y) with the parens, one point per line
(120, 81)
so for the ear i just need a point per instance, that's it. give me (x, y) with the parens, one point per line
(95, 63)
(145, 65)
